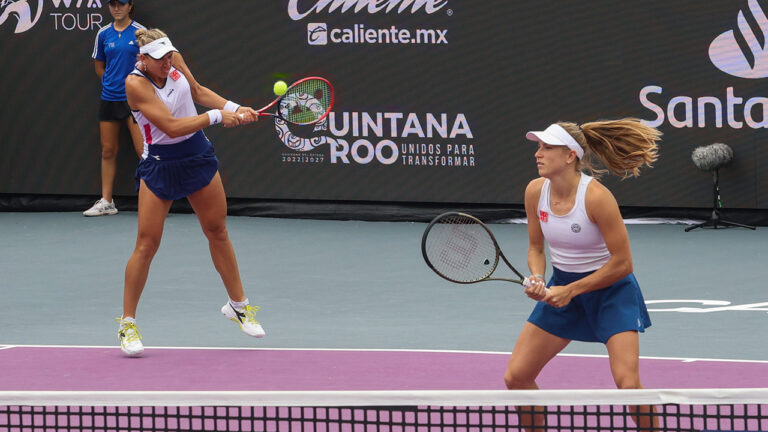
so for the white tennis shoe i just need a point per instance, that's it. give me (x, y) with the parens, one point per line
(130, 338)
(245, 318)
(102, 207)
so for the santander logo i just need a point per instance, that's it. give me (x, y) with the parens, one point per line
(748, 59)
(370, 6)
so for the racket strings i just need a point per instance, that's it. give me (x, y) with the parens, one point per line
(306, 101)
(461, 250)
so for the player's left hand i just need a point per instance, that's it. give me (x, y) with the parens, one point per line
(558, 296)
(247, 115)
(535, 288)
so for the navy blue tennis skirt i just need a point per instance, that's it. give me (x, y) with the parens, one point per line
(174, 171)
(594, 316)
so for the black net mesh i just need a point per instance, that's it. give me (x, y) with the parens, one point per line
(667, 417)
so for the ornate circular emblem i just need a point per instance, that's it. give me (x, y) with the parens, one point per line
(576, 228)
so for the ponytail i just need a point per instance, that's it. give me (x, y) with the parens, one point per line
(623, 146)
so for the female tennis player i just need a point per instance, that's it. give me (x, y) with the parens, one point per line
(178, 161)
(593, 295)
(114, 55)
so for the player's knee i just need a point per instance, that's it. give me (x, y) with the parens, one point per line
(108, 151)
(216, 232)
(628, 382)
(516, 379)
(146, 247)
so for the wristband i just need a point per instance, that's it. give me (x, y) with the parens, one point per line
(231, 106)
(539, 276)
(214, 117)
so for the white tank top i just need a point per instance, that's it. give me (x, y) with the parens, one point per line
(575, 243)
(177, 96)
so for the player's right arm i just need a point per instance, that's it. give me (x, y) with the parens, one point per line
(537, 259)
(99, 58)
(141, 96)
(100, 67)
(206, 97)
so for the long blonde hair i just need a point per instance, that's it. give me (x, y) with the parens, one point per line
(145, 36)
(623, 146)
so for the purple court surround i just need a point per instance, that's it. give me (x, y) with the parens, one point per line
(190, 369)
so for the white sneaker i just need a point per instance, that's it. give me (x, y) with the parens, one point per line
(130, 338)
(245, 318)
(102, 207)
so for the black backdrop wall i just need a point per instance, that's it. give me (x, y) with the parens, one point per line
(433, 96)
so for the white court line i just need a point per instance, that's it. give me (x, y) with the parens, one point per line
(682, 359)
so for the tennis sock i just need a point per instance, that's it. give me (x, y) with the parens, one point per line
(128, 319)
(239, 305)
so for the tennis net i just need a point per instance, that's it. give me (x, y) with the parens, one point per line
(385, 411)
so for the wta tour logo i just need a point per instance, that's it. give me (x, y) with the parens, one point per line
(743, 52)
(68, 14)
(21, 10)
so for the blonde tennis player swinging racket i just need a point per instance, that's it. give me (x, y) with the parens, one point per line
(178, 162)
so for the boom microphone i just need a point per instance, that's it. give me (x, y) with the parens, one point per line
(712, 157)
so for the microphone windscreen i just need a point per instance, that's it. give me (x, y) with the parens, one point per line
(712, 156)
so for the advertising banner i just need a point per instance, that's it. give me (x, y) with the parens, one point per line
(433, 97)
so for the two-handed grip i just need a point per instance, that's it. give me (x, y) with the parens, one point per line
(527, 283)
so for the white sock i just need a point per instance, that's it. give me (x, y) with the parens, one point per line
(238, 305)
(128, 319)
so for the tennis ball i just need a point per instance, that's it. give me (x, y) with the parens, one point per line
(280, 88)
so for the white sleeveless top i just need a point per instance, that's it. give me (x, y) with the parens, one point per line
(575, 242)
(177, 96)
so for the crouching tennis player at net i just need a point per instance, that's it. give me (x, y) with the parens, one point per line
(593, 295)
(178, 161)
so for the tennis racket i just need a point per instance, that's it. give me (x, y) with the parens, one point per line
(462, 249)
(306, 101)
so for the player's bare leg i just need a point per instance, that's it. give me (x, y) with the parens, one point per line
(624, 356)
(210, 205)
(152, 214)
(110, 133)
(533, 350)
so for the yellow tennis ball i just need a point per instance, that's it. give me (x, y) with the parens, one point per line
(280, 88)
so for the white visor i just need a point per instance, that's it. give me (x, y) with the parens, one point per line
(557, 136)
(158, 48)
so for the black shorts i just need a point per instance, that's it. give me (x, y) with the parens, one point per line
(114, 111)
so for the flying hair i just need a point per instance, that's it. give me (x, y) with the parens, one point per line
(623, 146)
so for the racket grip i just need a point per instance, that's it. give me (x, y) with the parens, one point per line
(527, 283)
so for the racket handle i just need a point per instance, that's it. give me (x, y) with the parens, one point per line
(527, 283)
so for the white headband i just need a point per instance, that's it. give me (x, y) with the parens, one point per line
(556, 135)
(158, 48)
